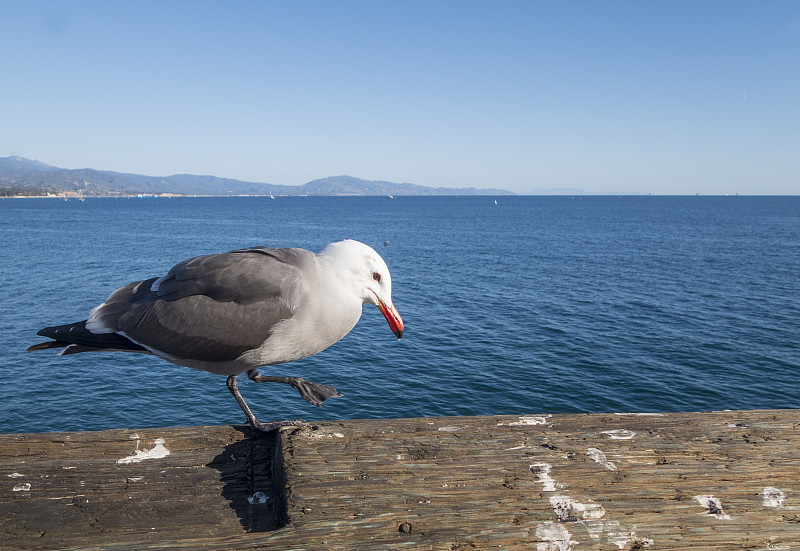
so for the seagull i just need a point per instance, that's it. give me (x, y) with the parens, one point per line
(232, 313)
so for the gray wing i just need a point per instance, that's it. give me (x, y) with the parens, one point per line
(213, 307)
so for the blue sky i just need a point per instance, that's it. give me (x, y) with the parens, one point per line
(640, 97)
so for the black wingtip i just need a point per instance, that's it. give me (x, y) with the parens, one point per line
(46, 345)
(79, 339)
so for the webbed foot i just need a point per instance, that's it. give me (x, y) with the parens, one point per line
(314, 393)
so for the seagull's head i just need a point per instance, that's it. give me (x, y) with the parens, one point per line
(371, 277)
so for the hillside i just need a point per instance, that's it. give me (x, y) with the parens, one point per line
(21, 176)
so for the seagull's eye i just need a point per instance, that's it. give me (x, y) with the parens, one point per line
(376, 276)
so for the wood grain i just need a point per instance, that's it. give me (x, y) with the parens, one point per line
(700, 481)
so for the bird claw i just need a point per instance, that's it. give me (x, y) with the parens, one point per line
(315, 393)
(275, 425)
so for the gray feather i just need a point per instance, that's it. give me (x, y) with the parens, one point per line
(211, 308)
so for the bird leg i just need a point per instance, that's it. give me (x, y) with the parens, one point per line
(251, 419)
(314, 393)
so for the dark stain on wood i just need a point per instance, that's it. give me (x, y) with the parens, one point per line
(253, 482)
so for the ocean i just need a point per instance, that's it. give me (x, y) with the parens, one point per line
(530, 305)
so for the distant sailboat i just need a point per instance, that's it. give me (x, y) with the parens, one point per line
(270, 195)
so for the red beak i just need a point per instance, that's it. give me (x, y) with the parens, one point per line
(390, 313)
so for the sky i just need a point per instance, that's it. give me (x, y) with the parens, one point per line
(662, 97)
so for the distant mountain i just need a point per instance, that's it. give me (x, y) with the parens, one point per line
(347, 185)
(21, 165)
(20, 176)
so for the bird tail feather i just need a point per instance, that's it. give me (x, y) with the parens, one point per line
(74, 338)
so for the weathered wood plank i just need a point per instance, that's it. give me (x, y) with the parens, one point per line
(674, 481)
(726, 480)
(125, 489)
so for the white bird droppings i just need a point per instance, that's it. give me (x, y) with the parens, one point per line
(258, 498)
(619, 434)
(323, 434)
(525, 420)
(713, 506)
(623, 539)
(21, 487)
(15, 475)
(569, 510)
(600, 458)
(554, 536)
(589, 515)
(542, 471)
(156, 452)
(449, 429)
(773, 497)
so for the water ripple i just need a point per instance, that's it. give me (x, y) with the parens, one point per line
(535, 305)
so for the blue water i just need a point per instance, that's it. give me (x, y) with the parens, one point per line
(533, 305)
